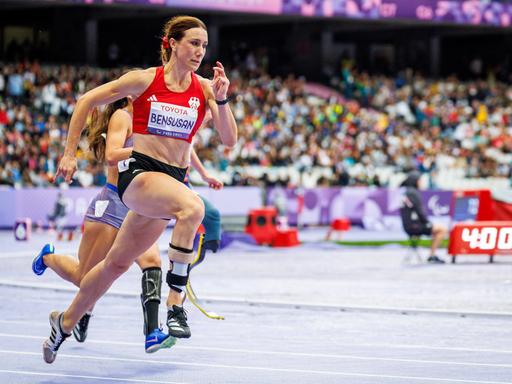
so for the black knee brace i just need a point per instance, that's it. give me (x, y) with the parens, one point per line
(151, 285)
(177, 282)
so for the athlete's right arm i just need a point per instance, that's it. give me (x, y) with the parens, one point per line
(131, 84)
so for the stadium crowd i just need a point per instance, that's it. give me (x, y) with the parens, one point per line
(372, 121)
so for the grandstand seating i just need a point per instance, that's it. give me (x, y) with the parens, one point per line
(370, 133)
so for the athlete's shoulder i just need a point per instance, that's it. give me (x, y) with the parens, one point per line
(120, 120)
(142, 75)
(139, 80)
(206, 85)
(121, 113)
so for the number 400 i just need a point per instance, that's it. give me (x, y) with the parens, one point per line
(485, 238)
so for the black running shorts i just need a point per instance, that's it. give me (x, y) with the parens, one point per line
(139, 163)
(424, 229)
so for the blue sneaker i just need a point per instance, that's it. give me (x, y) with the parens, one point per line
(38, 265)
(157, 340)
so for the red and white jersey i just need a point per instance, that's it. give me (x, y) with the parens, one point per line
(160, 111)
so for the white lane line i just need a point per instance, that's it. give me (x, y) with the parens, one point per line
(365, 345)
(295, 354)
(264, 369)
(88, 377)
(286, 304)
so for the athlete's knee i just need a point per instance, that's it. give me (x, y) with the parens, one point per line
(116, 267)
(148, 260)
(193, 211)
(80, 274)
(439, 230)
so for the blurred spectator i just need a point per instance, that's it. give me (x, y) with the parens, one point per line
(414, 217)
(399, 122)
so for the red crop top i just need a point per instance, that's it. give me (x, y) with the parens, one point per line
(160, 111)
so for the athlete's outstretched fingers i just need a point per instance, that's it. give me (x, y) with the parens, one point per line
(66, 168)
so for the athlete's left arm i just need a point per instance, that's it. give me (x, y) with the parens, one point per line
(119, 128)
(223, 119)
(212, 182)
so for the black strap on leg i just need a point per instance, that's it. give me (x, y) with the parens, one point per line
(176, 281)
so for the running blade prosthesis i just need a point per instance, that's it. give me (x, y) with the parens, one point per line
(194, 300)
(190, 292)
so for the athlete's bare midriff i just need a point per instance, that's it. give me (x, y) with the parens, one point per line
(168, 150)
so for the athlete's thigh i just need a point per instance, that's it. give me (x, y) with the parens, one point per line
(157, 195)
(137, 234)
(150, 258)
(95, 244)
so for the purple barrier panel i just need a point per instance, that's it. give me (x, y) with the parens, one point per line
(233, 201)
(436, 202)
(38, 203)
(371, 207)
(7, 207)
(319, 206)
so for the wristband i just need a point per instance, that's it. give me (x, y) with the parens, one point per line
(222, 102)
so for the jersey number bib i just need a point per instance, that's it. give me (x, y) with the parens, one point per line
(171, 120)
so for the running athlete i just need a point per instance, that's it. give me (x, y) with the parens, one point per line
(169, 105)
(110, 139)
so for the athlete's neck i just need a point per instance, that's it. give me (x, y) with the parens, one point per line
(179, 77)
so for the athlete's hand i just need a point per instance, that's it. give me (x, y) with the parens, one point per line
(220, 82)
(66, 168)
(213, 182)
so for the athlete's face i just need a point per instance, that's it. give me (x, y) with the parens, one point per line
(191, 49)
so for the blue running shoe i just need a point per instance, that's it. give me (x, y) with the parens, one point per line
(157, 340)
(38, 265)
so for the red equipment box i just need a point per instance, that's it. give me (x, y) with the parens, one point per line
(481, 238)
(261, 224)
(286, 238)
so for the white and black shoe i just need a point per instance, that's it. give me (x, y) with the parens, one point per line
(80, 329)
(177, 322)
(57, 337)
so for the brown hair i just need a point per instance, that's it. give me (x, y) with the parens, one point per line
(175, 29)
(99, 125)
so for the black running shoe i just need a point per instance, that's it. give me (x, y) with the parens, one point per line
(80, 330)
(212, 245)
(435, 260)
(177, 322)
(57, 337)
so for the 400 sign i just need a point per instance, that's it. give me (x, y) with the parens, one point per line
(488, 238)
